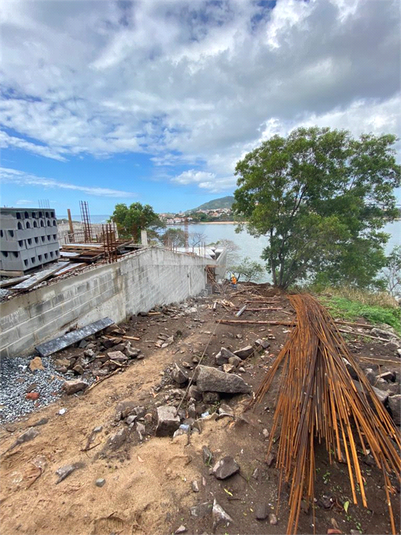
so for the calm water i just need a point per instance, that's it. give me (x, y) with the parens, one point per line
(253, 247)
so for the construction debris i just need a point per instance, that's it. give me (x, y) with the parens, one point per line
(318, 399)
(48, 348)
(39, 277)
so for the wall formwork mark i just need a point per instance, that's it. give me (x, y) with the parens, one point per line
(136, 283)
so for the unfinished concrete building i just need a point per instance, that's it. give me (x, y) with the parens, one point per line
(28, 238)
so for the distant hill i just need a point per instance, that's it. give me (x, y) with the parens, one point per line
(223, 202)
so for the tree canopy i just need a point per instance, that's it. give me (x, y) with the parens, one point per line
(321, 198)
(131, 220)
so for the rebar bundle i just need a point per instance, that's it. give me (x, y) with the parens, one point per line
(319, 401)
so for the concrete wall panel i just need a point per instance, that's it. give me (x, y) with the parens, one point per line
(136, 283)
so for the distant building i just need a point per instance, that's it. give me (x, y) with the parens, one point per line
(28, 238)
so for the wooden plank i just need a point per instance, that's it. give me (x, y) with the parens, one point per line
(258, 322)
(48, 348)
(39, 277)
(14, 280)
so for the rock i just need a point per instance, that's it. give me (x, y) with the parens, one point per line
(261, 342)
(67, 470)
(25, 437)
(223, 355)
(201, 510)
(42, 421)
(36, 364)
(194, 393)
(272, 519)
(79, 369)
(219, 515)
(265, 433)
(383, 334)
(394, 405)
(131, 419)
(62, 363)
(210, 397)
(261, 511)
(167, 421)
(118, 356)
(225, 410)
(100, 482)
(350, 369)
(89, 353)
(245, 352)
(98, 429)
(225, 468)
(270, 459)
(388, 376)
(130, 351)
(116, 441)
(370, 376)
(382, 395)
(227, 368)
(195, 486)
(124, 409)
(234, 361)
(71, 387)
(32, 395)
(179, 376)
(140, 429)
(207, 455)
(181, 529)
(211, 380)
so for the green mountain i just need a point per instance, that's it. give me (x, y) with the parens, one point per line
(223, 202)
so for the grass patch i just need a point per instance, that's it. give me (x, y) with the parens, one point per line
(350, 305)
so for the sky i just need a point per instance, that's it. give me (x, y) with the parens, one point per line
(155, 101)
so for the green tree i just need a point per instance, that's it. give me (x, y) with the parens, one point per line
(321, 198)
(247, 269)
(131, 220)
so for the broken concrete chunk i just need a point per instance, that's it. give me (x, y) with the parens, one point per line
(179, 376)
(167, 421)
(201, 510)
(118, 356)
(394, 402)
(72, 387)
(244, 352)
(211, 380)
(388, 376)
(67, 470)
(228, 368)
(219, 515)
(263, 343)
(116, 441)
(222, 356)
(30, 434)
(234, 361)
(225, 468)
(194, 393)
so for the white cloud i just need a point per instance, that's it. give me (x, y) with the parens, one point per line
(190, 82)
(21, 178)
(193, 177)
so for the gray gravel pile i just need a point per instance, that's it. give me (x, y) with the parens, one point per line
(16, 380)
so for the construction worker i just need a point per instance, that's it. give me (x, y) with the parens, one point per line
(233, 281)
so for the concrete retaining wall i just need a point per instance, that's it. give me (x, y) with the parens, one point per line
(137, 282)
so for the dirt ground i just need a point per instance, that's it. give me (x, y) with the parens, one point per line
(149, 483)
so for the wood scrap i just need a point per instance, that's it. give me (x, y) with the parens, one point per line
(101, 380)
(258, 322)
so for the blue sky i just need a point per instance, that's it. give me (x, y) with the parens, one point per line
(155, 100)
